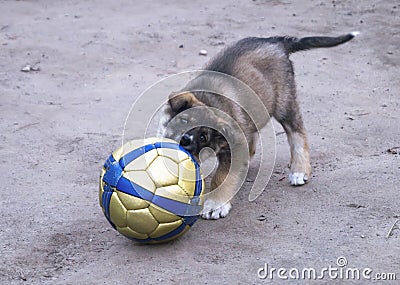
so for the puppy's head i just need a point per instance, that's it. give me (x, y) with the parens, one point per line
(194, 124)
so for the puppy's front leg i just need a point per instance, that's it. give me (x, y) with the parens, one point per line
(217, 204)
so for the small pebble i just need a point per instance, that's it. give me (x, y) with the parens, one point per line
(22, 276)
(202, 52)
(28, 68)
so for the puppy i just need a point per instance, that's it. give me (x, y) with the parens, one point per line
(262, 64)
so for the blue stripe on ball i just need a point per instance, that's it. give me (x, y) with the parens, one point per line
(105, 200)
(113, 172)
(190, 220)
(131, 156)
(199, 182)
(176, 207)
(175, 232)
(129, 187)
(110, 179)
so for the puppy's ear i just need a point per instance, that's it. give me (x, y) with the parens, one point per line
(182, 101)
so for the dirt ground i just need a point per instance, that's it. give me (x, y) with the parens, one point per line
(59, 123)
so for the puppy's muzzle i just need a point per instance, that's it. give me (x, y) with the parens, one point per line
(187, 142)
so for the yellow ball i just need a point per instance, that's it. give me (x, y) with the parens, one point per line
(151, 190)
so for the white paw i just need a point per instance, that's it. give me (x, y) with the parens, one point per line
(213, 210)
(298, 178)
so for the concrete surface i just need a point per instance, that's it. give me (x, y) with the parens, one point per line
(58, 125)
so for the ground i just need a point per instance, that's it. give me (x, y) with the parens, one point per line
(59, 123)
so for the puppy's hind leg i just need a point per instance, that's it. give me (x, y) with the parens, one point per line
(300, 167)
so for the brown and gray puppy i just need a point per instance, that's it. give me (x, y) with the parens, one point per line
(264, 65)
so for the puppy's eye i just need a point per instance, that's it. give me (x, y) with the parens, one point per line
(203, 138)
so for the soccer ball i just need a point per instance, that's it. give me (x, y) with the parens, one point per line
(151, 190)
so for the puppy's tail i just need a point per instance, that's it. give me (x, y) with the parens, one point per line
(292, 44)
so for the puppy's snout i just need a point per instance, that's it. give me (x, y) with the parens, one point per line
(186, 141)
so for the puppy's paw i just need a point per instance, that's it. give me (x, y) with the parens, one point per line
(298, 178)
(213, 210)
